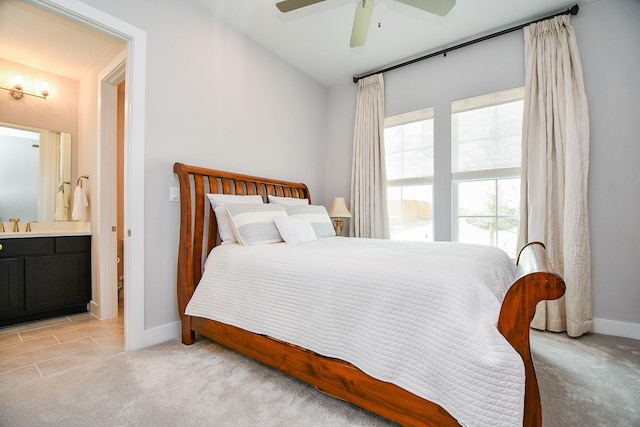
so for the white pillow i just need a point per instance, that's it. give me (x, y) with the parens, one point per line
(253, 224)
(222, 216)
(316, 215)
(287, 200)
(295, 230)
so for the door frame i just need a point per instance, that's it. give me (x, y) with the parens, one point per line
(134, 149)
(108, 80)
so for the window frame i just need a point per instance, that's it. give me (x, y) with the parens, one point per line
(409, 117)
(482, 101)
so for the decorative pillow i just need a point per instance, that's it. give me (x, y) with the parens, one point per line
(222, 216)
(287, 200)
(295, 230)
(316, 215)
(253, 224)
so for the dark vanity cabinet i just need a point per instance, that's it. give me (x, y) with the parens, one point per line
(44, 277)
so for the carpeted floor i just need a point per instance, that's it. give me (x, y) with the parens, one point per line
(591, 381)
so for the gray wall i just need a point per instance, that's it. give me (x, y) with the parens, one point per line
(608, 35)
(218, 100)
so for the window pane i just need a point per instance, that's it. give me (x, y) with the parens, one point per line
(486, 133)
(480, 230)
(488, 213)
(509, 197)
(487, 138)
(476, 198)
(409, 150)
(411, 212)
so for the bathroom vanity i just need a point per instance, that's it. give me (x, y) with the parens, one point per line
(44, 274)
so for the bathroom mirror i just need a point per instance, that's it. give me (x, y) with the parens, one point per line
(35, 165)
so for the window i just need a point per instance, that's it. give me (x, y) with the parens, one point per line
(409, 164)
(486, 134)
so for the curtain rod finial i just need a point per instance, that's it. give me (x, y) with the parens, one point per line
(574, 9)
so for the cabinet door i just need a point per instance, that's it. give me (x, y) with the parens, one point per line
(56, 281)
(9, 287)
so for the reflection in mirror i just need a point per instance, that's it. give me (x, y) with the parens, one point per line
(35, 174)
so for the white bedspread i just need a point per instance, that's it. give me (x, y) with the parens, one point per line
(422, 316)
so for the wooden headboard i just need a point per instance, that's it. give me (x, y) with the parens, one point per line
(198, 227)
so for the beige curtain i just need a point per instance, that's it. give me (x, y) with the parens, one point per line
(48, 177)
(555, 161)
(368, 177)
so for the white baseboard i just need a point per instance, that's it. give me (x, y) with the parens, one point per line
(162, 333)
(94, 309)
(615, 328)
(600, 326)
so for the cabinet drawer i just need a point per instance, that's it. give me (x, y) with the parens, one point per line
(73, 244)
(28, 246)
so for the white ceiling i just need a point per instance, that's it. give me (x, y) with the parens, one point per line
(41, 40)
(314, 39)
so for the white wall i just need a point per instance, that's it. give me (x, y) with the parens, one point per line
(214, 99)
(608, 36)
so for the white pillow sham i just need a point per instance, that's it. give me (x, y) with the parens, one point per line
(287, 200)
(253, 224)
(218, 201)
(316, 215)
(295, 230)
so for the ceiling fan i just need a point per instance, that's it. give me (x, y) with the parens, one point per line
(363, 13)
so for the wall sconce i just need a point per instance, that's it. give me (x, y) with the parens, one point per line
(17, 92)
(338, 210)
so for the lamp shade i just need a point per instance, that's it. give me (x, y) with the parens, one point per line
(339, 209)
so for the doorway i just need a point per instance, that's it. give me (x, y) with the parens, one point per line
(133, 165)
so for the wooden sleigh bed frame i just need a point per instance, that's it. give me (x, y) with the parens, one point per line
(534, 282)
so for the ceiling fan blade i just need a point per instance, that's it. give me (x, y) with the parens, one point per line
(437, 7)
(361, 23)
(289, 5)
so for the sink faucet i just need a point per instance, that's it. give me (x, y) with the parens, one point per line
(15, 222)
(29, 225)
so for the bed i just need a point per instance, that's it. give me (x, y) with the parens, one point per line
(533, 281)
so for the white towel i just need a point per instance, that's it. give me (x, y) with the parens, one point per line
(62, 205)
(79, 203)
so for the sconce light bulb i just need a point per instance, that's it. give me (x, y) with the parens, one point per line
(18, 80)
(45, 89)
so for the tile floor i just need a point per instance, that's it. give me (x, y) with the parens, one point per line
(30, 351)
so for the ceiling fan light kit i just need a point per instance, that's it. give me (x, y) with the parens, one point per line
(362, 18)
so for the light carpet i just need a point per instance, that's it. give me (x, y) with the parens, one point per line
(591, 381)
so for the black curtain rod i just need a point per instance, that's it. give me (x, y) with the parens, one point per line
(573, 10)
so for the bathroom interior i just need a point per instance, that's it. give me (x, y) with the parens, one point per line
(50, 159)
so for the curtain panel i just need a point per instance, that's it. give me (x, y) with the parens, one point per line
(368, 176)
(555, 166)
(49, 175)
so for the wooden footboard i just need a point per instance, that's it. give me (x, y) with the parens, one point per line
(535, 281)
(198, 235)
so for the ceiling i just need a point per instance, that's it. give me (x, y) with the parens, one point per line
(45, 41)
(314, 39)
